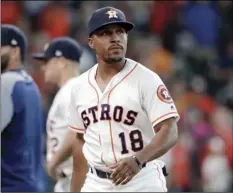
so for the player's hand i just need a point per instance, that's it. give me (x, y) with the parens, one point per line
(53, 171)
(124, 171)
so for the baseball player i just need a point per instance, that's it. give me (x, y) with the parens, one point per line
(123, 114)
(61, 57)
(21, 118)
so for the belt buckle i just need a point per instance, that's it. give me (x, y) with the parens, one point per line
(108, 175)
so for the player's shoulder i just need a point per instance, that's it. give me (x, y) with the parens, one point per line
(83, 77)
(143, 73)
(11, 77)
(63, 93)
(82, 80)
(69, 84)
(9, 80)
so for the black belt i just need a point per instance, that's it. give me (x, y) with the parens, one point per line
(105, 175)
(165, 173)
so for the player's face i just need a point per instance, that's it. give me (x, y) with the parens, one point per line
(52, 71)
(5, 57)
(110, 43)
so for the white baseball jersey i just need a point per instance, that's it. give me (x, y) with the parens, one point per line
(118, 122)
(57, 123)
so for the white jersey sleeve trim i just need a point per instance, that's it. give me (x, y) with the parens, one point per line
(7, 109)
(166, 116)
(77, 130)
(8, 81)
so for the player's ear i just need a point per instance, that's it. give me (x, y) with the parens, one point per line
(91, 43)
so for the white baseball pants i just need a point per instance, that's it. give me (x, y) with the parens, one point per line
(63, 185)
(149, 179)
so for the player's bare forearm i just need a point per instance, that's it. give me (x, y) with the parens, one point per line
(165, 138)
(80, 166)
(66, 149)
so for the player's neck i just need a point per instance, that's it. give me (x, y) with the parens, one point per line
(107, 71)
(13, 66)
(67, 76)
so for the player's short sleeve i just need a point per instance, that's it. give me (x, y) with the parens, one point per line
(7, 105)
(7, 108)
(75, 122)
(156, 100)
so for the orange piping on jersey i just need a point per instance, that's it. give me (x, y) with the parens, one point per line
(93, 86)
(163, 116)
(110, 125)
(160, 176)
(76, 128)
(98, 100)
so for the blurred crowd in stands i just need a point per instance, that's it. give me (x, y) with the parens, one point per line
(188, 43)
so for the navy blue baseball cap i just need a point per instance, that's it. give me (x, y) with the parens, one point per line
(105, 16)
(13, 36)
(61, 47)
